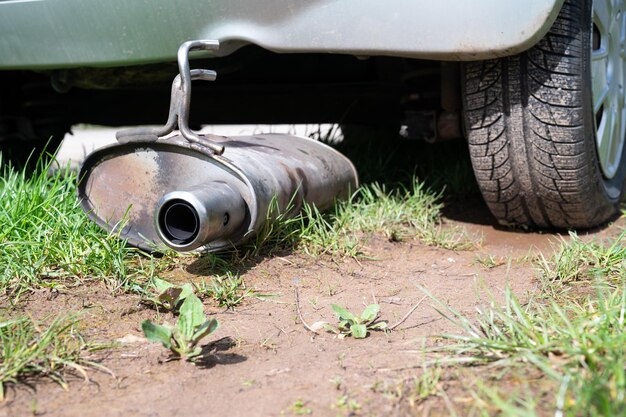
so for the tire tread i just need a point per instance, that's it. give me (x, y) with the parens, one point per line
(528, 132)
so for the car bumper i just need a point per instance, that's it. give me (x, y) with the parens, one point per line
(73, 33)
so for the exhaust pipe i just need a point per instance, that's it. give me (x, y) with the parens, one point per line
(186, 220)
(173, 193)
(204, 192)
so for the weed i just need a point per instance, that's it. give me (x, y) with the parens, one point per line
(357, 326)
(424, 386)
(248, 383)
(327, 234)
(413, 390)
(299, 408)
(489, 261)
(348, 405)
(313, 232)
(576, 260)
(278, 231)
(337, 382)
(168, 296)
(30, 349)
(183, 338)
(227, 291)
(399, 214)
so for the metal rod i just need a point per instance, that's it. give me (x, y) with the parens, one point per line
(180, 102)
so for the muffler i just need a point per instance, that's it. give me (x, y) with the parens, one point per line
(205, 192)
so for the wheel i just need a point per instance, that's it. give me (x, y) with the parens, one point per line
(546, 128)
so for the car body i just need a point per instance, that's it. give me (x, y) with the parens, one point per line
(50, 34)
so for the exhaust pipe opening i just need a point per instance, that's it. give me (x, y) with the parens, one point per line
(179, 222)
(189, 219)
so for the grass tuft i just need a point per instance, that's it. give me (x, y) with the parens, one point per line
(399, 214)
(577, 342)
(403, 213)
(227, 291)
(30, 349)
(576, 261)
(46, 239)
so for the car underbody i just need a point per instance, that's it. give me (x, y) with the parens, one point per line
(255, 86)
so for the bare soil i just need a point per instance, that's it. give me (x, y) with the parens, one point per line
(263, 362)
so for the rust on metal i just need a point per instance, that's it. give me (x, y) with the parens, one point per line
(123, 186)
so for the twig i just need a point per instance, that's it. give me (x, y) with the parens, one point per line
(304, 323)
(406, 316)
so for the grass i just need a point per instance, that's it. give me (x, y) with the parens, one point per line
(399, 214)
(577, 342)
(46, 240)
(415, 390)
(577, 262)
(406, 212)
(489, 261)
(29, 348)
(228, 290)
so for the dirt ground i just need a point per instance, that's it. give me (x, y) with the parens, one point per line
(262, 360)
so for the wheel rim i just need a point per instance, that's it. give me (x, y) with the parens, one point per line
(607, 75)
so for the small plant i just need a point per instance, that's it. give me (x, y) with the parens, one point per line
(489, 261)
(424, 386)
(357, 327)
(183, 338)
(299, 408)
(169, 296)
(347, 405)
(227, 291)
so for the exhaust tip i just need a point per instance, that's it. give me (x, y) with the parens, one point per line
(186, 220)
(179, 222)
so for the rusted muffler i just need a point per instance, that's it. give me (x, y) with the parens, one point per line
(205, 192)
(172, 192)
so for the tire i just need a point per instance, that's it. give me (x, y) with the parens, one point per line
(531, 128)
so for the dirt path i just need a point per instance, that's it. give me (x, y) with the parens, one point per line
(263, 361)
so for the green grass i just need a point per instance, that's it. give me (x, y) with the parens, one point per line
(227, 290)
(577, 262)
(29, 349)
(399, 214)
(46, 239)
(577, 340)
(402, 213)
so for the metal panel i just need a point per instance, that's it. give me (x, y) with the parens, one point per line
(71, 33)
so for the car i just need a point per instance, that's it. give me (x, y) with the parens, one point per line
(535, 87)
